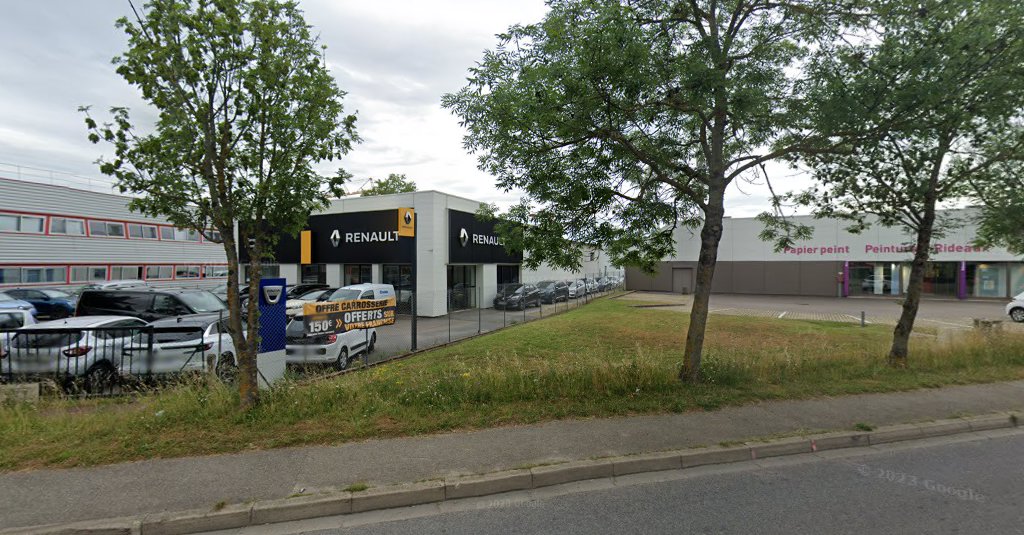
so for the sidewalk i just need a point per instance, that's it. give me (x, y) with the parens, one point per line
(56, 496)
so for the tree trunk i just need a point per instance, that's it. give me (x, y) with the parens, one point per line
(248, 385)
(901, 334)
(710, 236)
(244, 337)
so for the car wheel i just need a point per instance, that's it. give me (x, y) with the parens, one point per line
(226, 368)
(1017, 315)
(100, 378)
(343, 361)
(373, 343)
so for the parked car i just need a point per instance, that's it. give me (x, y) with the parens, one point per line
(591, 285)
(87, 348)
(294, 305)
(180, 345)
(221, 291)
(362, 291)
(149, 305)
(869, 284)
(53, 304)
(338, 350)
(553, 291)
(304, 288)
(14, 318)
(10, 320)
(10, 303)
(115, 285)
(577, 288)
(517, 296)
(1016, 308)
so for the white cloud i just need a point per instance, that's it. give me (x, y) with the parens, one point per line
(395, 58)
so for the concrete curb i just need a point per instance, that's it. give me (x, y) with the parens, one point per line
(453, 488)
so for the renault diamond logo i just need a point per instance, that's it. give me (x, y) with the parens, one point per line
(463, 237)
(335, 238)
(408, 218)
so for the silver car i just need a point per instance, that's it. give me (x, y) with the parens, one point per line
(88, 347)
(192, 343)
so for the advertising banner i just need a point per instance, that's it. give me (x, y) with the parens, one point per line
(341, 316)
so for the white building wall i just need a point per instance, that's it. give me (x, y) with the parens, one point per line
(832, 242)
(33, 250)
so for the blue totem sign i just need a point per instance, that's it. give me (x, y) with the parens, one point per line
(270, 360)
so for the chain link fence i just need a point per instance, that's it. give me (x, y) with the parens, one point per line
(91, 356)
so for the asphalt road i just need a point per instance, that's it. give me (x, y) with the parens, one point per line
(966, 484)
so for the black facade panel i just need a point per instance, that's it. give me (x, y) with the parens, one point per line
(350, 238)
(472, 241)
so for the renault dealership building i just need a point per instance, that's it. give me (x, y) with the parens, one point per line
(459, 259)
(835, 262)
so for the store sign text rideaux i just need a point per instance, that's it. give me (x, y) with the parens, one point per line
(881, 249)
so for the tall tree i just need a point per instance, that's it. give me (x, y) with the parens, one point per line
(957, 68)
(394, 183)
(246, 107)
(621, 120)
(1001, 199)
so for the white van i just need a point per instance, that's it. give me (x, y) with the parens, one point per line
(362, 291)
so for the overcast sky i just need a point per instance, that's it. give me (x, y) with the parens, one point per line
(395, 58)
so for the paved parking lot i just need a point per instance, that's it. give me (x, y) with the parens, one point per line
(933, 312)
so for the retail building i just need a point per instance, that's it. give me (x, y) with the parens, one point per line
(836, 262)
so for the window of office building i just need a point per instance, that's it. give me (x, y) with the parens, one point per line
(88, 273)
(106, 228)
(125, 272)
(167, 233)
(69, 227)
(186, 272)
(10, 275)
(358, 274)
(186, 234)
(143, 232)
(23, 223)
(159, 272)
(42, 274)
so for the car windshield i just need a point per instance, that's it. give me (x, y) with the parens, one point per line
(344, 294)
(56, 294)
(544, 284)
(313, 294)
(11, 320)
(41, 340)
(295, 328)
(5, 297)
(202, 301)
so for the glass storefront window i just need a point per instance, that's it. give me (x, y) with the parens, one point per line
(358, 274)
(508, 274)
(986, 280)
(1016, 279)
(314, 274)
(462, 287)
(874, 278)
(399, 276)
